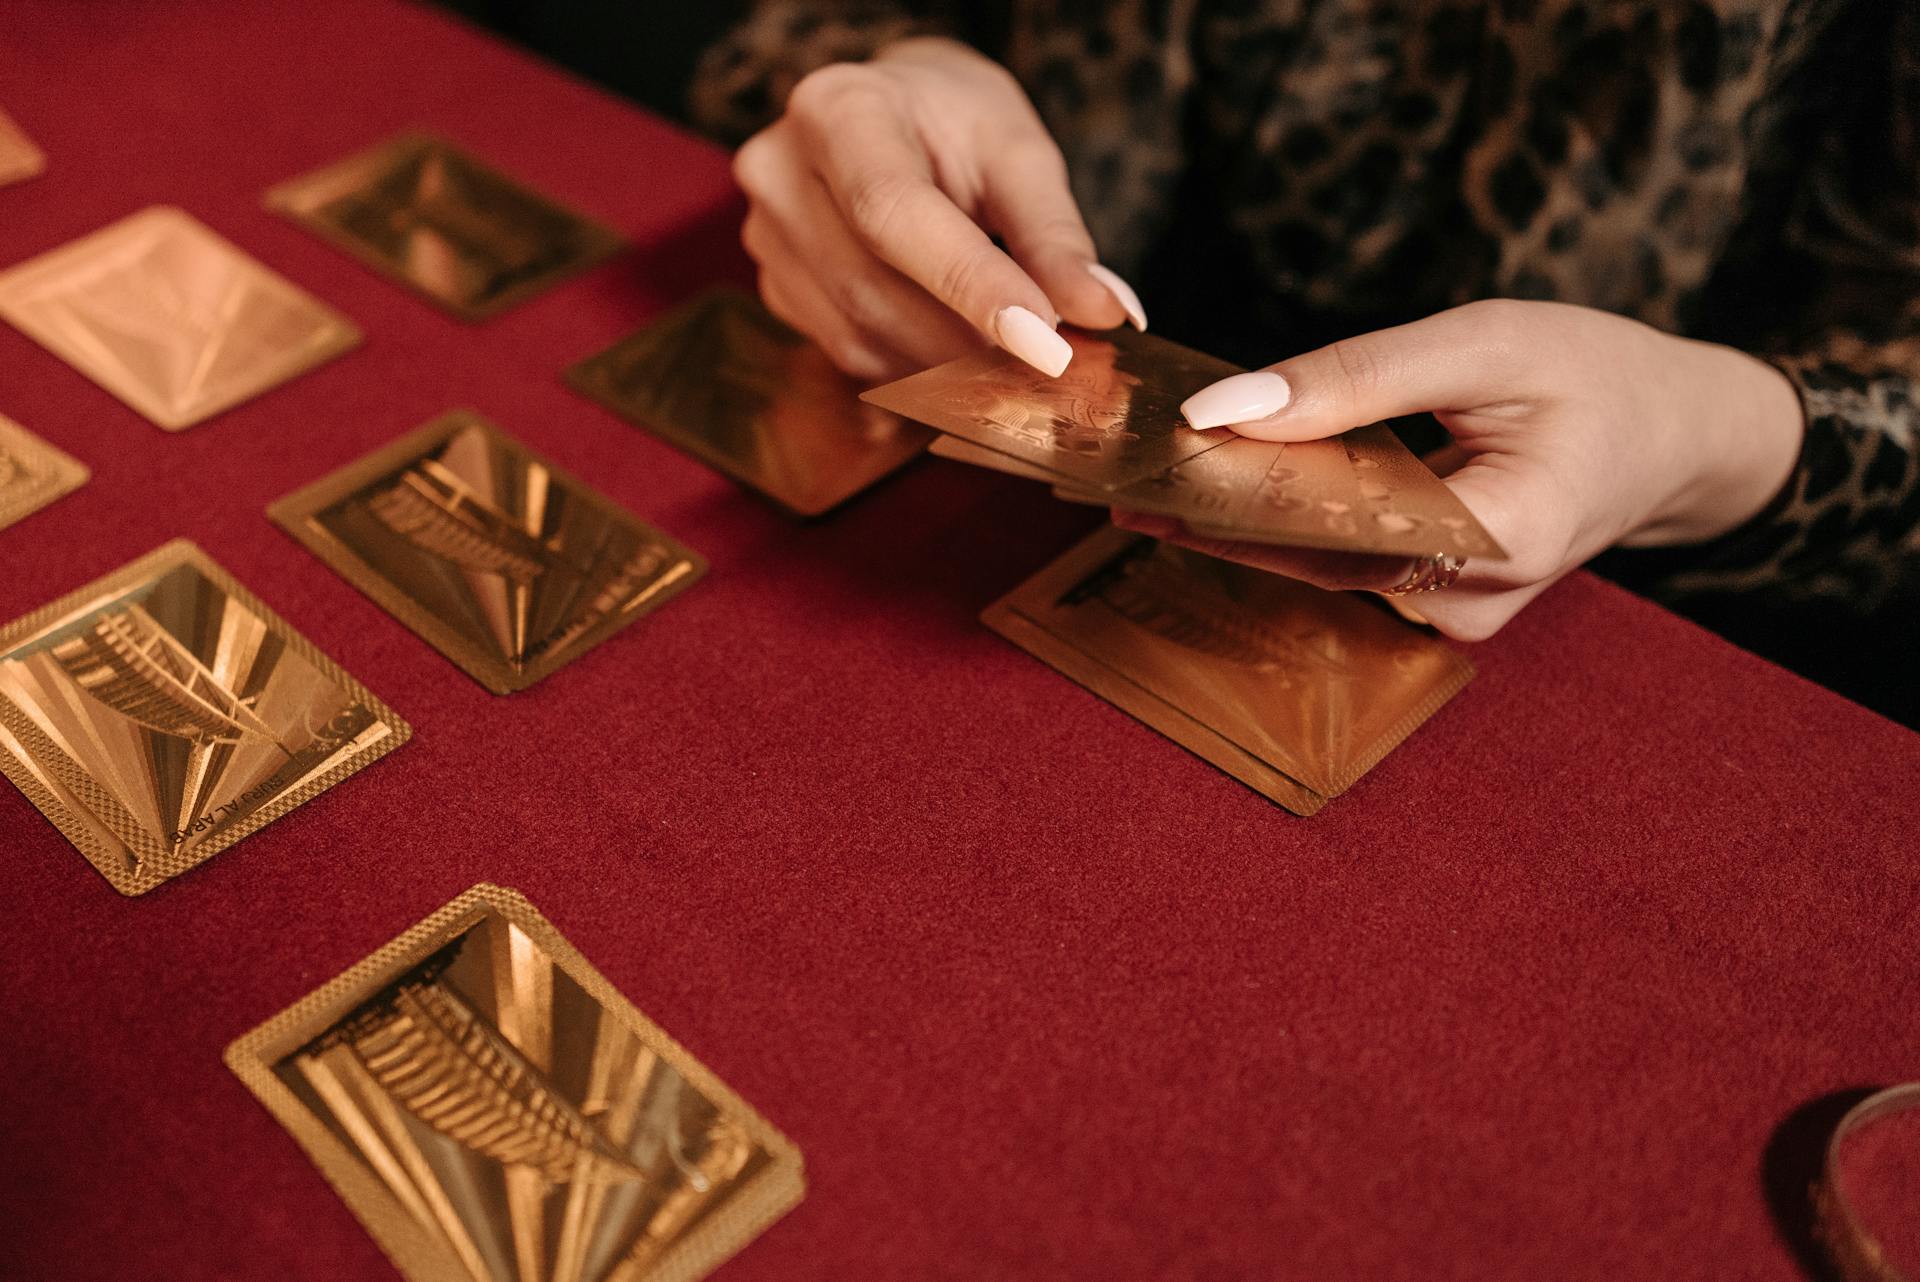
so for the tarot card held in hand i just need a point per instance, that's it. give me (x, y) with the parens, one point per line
(1360, 492)
(1294, 691)
(32, 473)
(19, 158)
(1112, 419)
(504, 563)
(952, 447)
(494, 1111)
(170, 318)
(163, 713)
(420, 210)
(726, 381)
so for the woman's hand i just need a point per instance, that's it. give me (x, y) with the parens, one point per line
(874, 201)
(1573, 430)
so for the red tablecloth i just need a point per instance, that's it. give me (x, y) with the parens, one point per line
(1038, 994)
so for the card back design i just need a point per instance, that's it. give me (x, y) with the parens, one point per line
(32, 473)
(171, 318)
(726, 381)
(959, 451)
(500, 560)
(491, 1108)
(20, 159)
(424, 212)
(1294, 691)
(1361, 492)
(161, 714)
(1111, 419)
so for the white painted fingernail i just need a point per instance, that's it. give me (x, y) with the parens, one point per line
(1122, 293)
(1239, 399)
(1032, 340)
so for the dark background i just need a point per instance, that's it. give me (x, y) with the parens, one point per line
(645, 49)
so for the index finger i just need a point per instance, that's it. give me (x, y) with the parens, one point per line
(883, 184)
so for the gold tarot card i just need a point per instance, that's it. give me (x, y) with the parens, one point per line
(501, 561)
(163, 713)
(1292, 690)
(726, 381)
(20, 159)
(170, 318)
(959, 451)
(420, 210)
(1360, 492)
(494, 1111)
(32, 473)
(1112, 419)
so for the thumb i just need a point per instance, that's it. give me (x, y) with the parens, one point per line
(1456, 360)
(1027, 200)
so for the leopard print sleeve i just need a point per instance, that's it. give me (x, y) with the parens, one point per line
(742, 83)
(1845, 529)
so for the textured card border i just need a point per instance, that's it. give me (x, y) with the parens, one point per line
(65, 473)
(295, 514)
(769, 1195)
(180, 552)
(599, 241)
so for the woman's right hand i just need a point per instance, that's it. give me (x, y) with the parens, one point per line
(874, 202)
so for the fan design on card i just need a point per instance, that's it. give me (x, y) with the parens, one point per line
(506, 564)
(134, 666)
(163, 713)
(495, 1112)
(438, 219)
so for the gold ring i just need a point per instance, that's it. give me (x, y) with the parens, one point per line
(1430, 574)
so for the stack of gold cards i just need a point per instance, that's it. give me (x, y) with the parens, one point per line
(1109, 432)
(170, 318)
(19, 158)
(32, 473)
(425, 213)
(1295, 691)
(1113, 418)
(163, 713)
(725, 380)
(504, 563)
(494, 1111)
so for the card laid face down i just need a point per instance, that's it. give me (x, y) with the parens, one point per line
(422, 211)
(1112, 419)
(170, 318)
(504, 563)
(1360, 492)
(1295, 691)
(163, 713)
(20, 159)
(492, 1109)
(725, 380)
(32, 473)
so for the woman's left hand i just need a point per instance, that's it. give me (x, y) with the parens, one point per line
(1573, 430)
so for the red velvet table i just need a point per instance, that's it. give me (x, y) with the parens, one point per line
(1038, 994)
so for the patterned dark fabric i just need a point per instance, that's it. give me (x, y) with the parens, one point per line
(1742, 171)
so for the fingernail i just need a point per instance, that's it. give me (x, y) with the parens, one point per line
(1239, 399)
(1032, 340)
(1122, 293)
